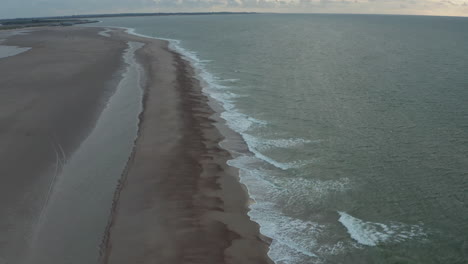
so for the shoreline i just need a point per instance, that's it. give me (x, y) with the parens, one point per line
(217, 198)
(177, 200)
(232, 140)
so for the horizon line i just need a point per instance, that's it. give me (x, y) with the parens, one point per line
(130, 14)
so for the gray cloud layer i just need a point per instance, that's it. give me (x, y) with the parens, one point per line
(23, 8)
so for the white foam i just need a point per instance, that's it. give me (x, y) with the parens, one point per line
(257, 121)
(105, 33)
(257, 145)
(230, 80)
(279, 165)
(294, 240)
(304, 191)
(292, 233)
(293, 236)
(373, 234)
(263, 143)
(237, 121)
(226, 96)
(333, 249)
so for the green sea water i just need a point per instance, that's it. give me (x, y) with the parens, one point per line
(358, 125)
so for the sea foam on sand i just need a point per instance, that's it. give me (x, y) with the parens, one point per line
(8, 51)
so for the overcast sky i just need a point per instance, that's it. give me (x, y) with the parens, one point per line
(28, 8)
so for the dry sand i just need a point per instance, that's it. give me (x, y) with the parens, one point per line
(178, 201)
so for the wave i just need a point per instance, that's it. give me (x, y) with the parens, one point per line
(264, 143)
(257, 145)
(277, 164)
(230, 80)
(294, 240)
(373, 234)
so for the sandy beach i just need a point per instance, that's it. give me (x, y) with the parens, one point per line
(50, 98)
(176, 201)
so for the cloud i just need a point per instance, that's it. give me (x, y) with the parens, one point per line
(18, 8)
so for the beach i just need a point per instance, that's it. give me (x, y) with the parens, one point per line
(270, 138)
(51, 98)
(176, 201)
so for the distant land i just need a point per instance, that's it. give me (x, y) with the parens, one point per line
(82, 19)
(40, 22)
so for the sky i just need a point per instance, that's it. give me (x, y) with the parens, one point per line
(37, 8)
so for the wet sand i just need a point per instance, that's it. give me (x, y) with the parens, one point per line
(50, 98)
(177, 201)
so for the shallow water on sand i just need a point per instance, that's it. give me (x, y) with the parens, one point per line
(8, 51)
(359, 126)
(74, 212)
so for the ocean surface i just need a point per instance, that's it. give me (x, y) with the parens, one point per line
(358, 125)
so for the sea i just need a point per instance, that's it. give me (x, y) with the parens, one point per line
(357, 127)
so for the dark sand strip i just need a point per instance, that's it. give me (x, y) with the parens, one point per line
(179, 202)
(73, 222)
(50, 98)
